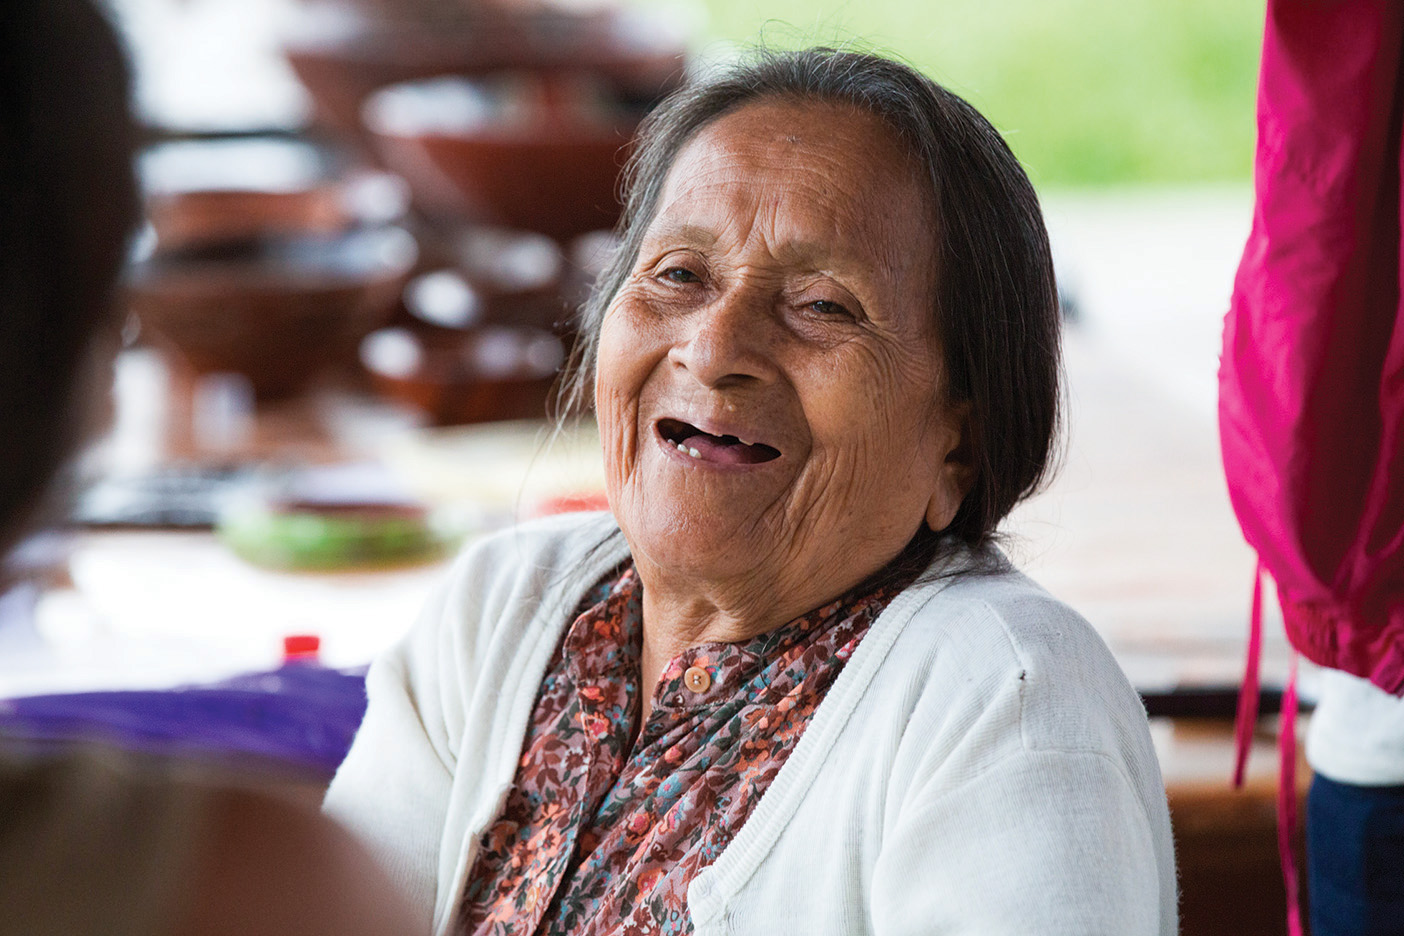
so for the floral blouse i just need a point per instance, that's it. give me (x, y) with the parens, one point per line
(601, 832)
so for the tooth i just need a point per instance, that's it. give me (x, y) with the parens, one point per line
(681, 447)
(743, 441)
(693, 452)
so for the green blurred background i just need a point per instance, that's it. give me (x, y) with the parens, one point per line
(1087, 92)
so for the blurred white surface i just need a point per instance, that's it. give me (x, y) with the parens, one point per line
(212, 64)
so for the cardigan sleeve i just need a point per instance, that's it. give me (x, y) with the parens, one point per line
(393, 789)
(448, 704)
(1033, 802)
(1050, 842)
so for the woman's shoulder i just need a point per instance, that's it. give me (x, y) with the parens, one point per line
(553, 543)
(1013, 620)
(537, 557)
(999, 613)
(508, 582)
(995, 639)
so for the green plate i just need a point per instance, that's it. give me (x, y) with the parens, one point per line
(332, 539)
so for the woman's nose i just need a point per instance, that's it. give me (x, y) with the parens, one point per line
(728, 341)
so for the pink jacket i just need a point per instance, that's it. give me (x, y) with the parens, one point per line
(1311, 411)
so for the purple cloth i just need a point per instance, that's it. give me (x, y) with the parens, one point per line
(302, 714)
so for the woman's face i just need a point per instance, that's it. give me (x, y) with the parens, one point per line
(768, 385)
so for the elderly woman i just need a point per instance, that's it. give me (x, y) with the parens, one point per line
(787, 684)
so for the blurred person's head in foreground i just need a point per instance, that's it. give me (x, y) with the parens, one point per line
(91, 840)
(68, 205)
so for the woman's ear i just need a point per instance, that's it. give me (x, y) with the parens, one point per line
(955, 475)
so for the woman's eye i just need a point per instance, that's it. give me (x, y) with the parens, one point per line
(830, 309)
(680, 275)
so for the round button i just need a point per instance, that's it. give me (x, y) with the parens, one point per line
(697, 679)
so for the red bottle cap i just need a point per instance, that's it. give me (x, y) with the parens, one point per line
(302, 647)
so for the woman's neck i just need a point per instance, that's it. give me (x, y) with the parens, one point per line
(685, 611)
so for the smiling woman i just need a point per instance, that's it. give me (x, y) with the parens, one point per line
(824, 362)
(781, 293)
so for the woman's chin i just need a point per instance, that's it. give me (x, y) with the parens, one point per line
(697, 542)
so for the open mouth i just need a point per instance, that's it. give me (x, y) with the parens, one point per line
(703, 446)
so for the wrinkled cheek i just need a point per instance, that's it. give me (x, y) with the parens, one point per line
(611, 408)
(619, 378)
(618, 439)
(866, 483)
(824, 496)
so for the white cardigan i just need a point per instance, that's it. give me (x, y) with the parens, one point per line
(981, 765)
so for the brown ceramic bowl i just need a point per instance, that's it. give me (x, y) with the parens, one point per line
(278, 312)
(637, 54)
(477, 375)
(492, 276)
(209, 191)
(513, 151)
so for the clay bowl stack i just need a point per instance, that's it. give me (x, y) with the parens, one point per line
(503, 120)
(522, 150)
(266, 261)
(277, 312)
(484, 338)
(492, 373)
(636, 54)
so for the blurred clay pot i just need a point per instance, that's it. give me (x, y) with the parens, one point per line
(210, 191)
(637, 54)
(484, 374)
(278, 312)
(492, 276)
(515, 151)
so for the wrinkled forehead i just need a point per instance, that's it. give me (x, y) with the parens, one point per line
(826, 184)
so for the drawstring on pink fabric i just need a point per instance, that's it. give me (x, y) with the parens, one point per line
(1247, 716)
(1287, 799)
(1244, 723)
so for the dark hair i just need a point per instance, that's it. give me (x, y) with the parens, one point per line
(996, 304)
(68, 203)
